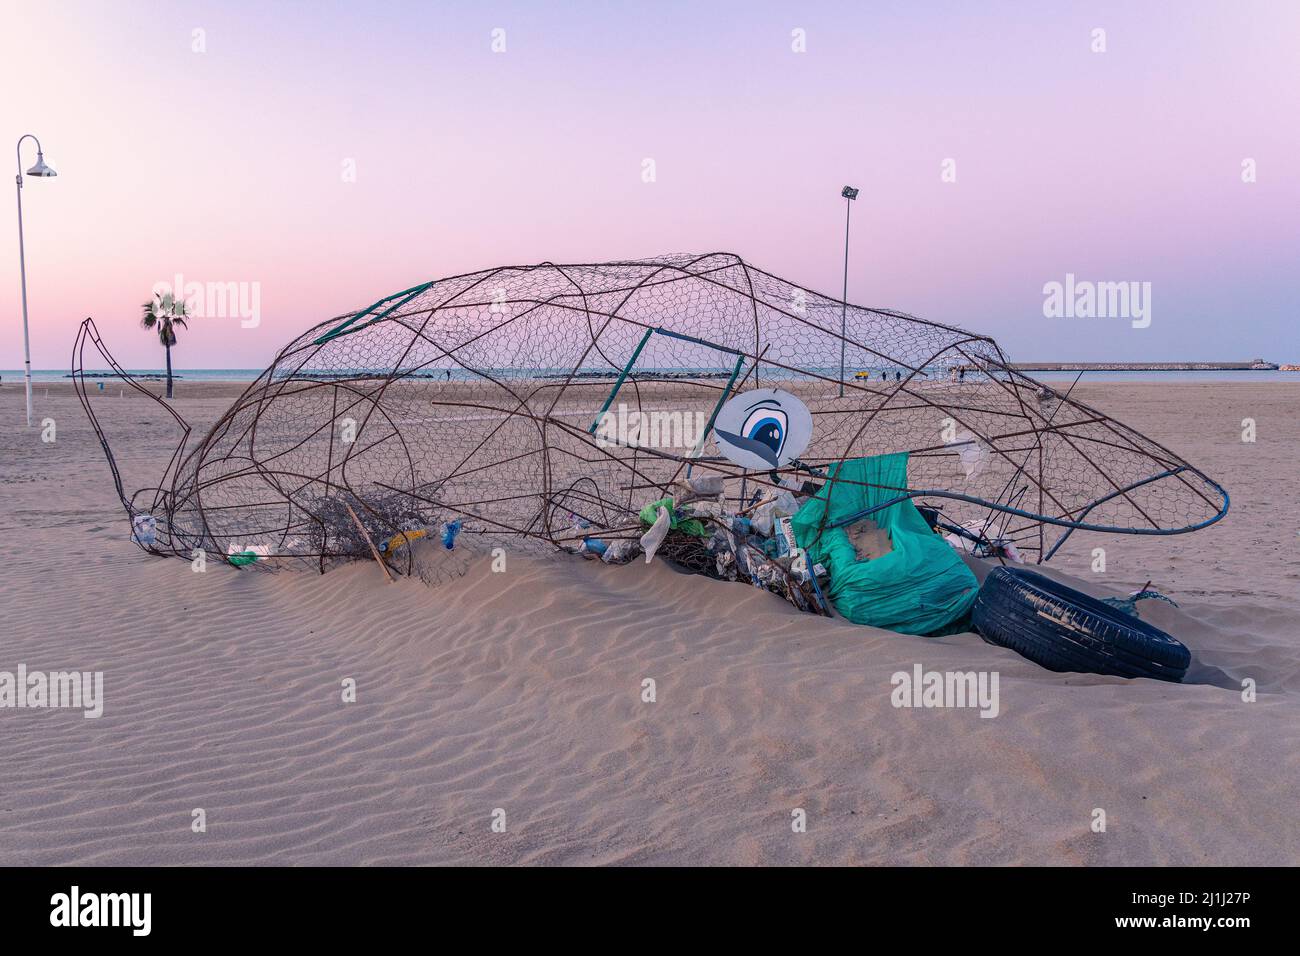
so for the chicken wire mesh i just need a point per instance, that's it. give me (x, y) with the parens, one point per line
(523, 406)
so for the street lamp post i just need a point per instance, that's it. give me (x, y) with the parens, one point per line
(40, 171)
(849, 193)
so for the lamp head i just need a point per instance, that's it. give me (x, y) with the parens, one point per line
(41, 169)
(849, 192)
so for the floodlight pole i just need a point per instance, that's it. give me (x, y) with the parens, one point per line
(849, 194)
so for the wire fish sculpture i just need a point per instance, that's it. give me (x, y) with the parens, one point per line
(546, 405)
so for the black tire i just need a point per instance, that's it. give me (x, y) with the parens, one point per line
(1066, 630)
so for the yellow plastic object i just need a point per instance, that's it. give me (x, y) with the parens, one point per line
(401, 538)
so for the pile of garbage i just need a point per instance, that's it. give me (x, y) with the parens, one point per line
(844, 543)
(697, 528)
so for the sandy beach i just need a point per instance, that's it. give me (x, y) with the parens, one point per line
(522, 691)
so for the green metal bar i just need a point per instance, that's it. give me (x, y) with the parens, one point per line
(402, 297)
(619, 382)
(693, 339)
(704, 435)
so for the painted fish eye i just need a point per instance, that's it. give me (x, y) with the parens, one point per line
(766, 425)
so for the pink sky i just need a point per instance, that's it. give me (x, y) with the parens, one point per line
(226, 165)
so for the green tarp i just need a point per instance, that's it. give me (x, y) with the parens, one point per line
(922, 586)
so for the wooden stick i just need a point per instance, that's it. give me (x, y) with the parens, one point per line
(366, 535)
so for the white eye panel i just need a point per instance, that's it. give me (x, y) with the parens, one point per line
(763, 428)
(769, 425)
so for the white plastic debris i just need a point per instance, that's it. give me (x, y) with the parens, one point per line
(709, 509)
(651, 540)
(991, 534)
(764, 516)
(620, 551)
(799, 564)
(144, 529)
(970, 451)
(706, 485)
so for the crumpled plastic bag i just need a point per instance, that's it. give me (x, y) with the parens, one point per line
(620, 551)
(651, 540)
(706, 485)
(144, 529)
(710, 509)
(972, 452)
(763, 518)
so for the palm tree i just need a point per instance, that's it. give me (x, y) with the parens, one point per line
(165, 313)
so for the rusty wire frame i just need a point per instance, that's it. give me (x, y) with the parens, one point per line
(472, 398)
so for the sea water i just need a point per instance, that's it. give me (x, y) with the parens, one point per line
(47, 376)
